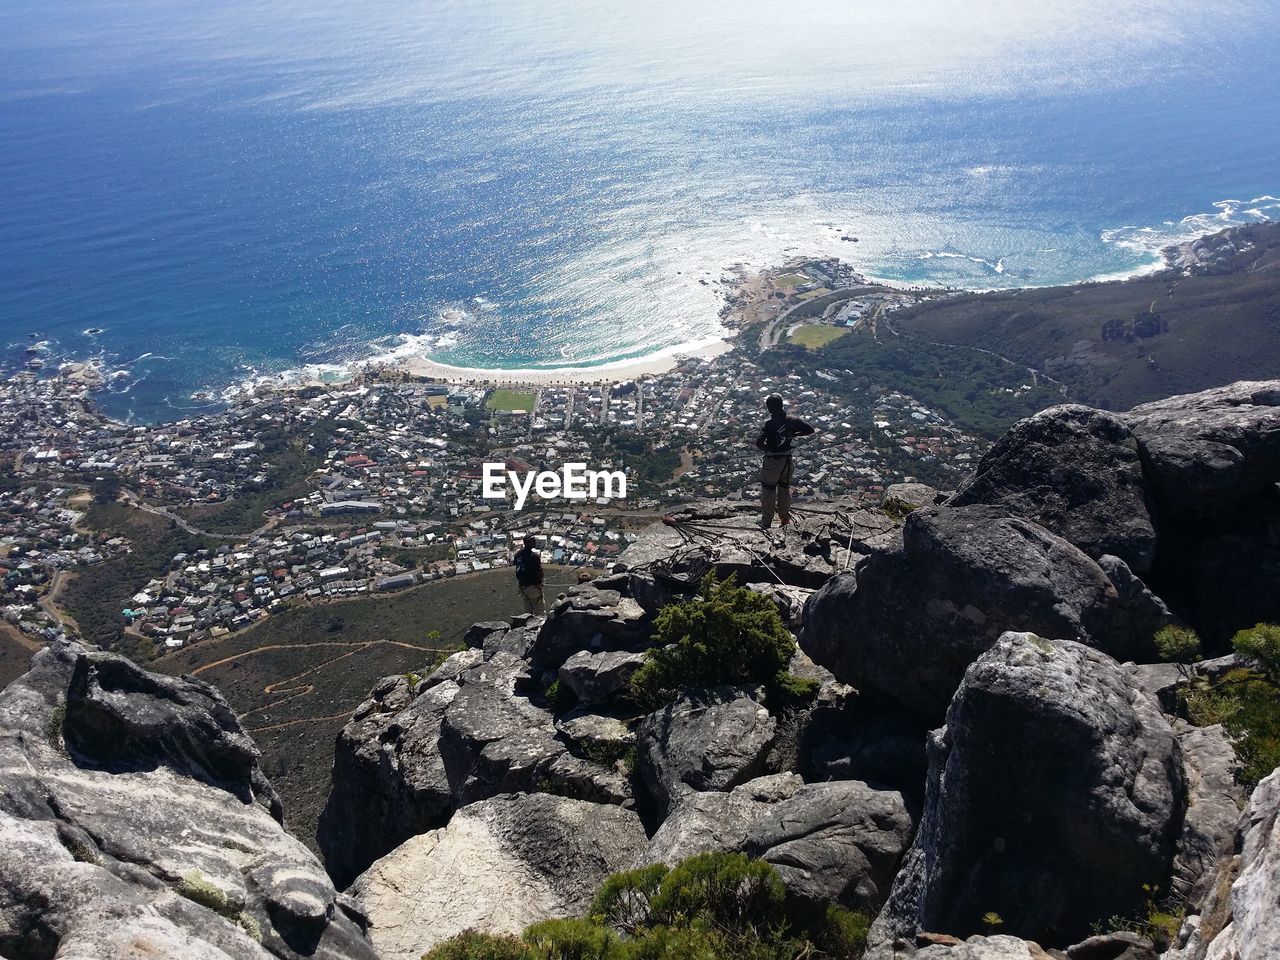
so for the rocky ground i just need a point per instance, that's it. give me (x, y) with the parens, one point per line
(992, 762)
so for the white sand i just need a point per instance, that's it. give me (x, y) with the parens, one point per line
(557, 376)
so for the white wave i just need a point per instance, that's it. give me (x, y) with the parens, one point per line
(1150, 242)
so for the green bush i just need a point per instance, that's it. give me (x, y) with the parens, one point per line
(725, 635)
(1177, 644)
(714, 906)
(1247, 704)
(571, 940)
(1261, 643)
(480, 946)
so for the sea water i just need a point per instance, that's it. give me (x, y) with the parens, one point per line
(199, 194)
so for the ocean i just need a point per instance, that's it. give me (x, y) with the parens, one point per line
(202, 194)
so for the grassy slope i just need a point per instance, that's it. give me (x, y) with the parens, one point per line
(817, 335)
(296, 677)
(1218, 328)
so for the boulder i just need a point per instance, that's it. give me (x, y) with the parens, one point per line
(591, 619)
(478, 633)
(596, 678)
(712, 822)
(705, 740)
(413, 753)
(500, 865)
(1055, 794)
(135, 821)
(1076, 472)
(905, 497)
(1213, 454)
(1239, 920)
(906, 624)
(1140, 614)
(998, 947)
(835, 843)
(1214, 799)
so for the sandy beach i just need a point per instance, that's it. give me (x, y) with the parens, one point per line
(427, 369)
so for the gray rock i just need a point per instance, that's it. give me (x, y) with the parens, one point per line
(1239, 920)
(498, 866)
(789, 600)
(1139, 612)
(1076, 472)
(1122, 945)
(597, 677)
(590, 619)
(1055, 793)
(905, 625)
(1210, 454)
(591, 734)
(134, 821)
(706, 740)
(835, 842)
(905, 497)
(478, 633)
(713, 822)
(1214, 799)
(411, 756)
(998, 947)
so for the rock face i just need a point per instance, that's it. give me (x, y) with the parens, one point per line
(500, 865)
(837, 842)
(415, 752)
(1055, 793)
(1075, 471)
(1240, 920)
(906, 624)
(134, 821)
(706, 740)
(1214, 453)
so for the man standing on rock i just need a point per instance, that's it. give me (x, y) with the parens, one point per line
(775, 472)
(528, 564)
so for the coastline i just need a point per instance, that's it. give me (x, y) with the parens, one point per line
(424, 368)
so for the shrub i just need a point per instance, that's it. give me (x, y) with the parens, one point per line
(728, 891)
(843, 933)
(1247, 704)
(792, 689)
(571, 940)
(561, 697)
(1176, 644)
(1261, 643)
(624, 900)
(725, 635)
(480, 946)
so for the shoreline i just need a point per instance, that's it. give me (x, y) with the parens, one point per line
(425, 368)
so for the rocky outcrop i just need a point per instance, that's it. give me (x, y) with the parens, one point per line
(705, 740)
(1075, 471)
(1214, 798)
(717, 822)
(906, 624)
(597, 677)
(837, 842)
(1055, 793)
(500, 865)
(134, 821)
(1239, 920)
(419, 749)
(1213, 454)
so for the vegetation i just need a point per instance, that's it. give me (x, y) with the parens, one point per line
(725, 635)
(1176, 644)
(97, 596)
(814, 335)
(1245, 701)
(712, 906)
(1104, 342)
(292, 463)
(1261, 643)
(1159, 922)
(510, 400)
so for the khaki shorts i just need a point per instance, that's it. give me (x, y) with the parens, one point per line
(775, 472)
(532, 596)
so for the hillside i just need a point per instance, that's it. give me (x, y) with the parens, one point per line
(295, 678)
(1213, 318)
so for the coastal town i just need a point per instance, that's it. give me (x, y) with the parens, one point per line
(328, 491)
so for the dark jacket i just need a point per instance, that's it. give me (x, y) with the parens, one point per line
(778, 432)
(528, 564)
